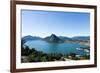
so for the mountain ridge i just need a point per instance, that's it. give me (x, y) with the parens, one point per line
(55, 39)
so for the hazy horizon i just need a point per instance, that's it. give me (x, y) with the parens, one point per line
(56, 35)
(45, 23)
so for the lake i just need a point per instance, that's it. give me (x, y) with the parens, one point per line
(63, 48)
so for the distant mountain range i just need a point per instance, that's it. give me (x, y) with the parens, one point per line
(81, 38)
(29, 38)
(55, 39)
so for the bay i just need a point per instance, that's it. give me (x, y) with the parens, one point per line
(63, 48)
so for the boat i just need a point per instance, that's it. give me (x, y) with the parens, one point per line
(79, 48)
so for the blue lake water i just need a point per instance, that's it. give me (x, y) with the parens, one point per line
(63, 48)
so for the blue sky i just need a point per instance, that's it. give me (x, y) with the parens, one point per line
(45, 23)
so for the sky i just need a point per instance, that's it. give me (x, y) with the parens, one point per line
(45, 23)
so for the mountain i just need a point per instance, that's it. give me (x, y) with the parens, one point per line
(81, 38)
(53, 39)
(28, 38)
(64, 38)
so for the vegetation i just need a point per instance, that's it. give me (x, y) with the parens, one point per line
(32, 55)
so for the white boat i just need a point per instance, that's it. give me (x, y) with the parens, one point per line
(86, 50)
(78, 48)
